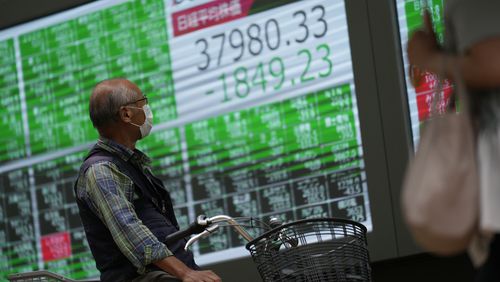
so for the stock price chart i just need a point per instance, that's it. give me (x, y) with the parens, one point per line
(255, 115)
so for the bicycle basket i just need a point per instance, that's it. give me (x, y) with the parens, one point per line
(43, 275)
(322, 249)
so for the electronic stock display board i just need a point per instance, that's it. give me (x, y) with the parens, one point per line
(420, 98)
(255, 114)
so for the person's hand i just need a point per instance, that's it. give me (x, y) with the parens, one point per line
(422, 50)
(175, 267)
(200, 276)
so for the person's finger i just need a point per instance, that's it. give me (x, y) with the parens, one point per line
(212, 276)
(428, 22)
(215, 276)
(414, 43)
(416, 75)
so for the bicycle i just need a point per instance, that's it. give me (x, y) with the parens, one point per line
(312, 250)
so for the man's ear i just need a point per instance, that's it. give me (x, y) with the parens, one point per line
(125, 114)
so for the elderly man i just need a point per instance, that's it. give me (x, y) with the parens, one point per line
(126, 211)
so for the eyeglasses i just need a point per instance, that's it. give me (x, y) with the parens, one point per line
(138, 100)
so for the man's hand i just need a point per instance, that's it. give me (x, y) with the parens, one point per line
(200, 276)
(177, 268)
(423, 51)
(423, 46)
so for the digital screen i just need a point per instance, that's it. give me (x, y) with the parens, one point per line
(420, 97)
(255, 114)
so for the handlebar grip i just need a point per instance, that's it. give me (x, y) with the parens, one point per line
(194, 228)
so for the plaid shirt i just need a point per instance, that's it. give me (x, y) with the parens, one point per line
(109, 194)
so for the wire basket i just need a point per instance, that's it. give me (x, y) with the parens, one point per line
(43, 275)
(322, 249)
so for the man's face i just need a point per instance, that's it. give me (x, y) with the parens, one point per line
(132, 113)
(137, 114)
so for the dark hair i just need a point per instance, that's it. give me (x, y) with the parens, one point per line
(107, 98)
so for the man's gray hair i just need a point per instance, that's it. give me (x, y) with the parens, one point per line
(107, 98)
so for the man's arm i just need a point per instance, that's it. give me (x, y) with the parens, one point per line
(109, 194)
(479, 67)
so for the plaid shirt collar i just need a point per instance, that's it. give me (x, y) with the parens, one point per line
(123, 152)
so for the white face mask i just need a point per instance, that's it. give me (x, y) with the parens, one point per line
(148, 122)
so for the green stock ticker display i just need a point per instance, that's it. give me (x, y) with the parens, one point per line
(255, 114)
(12, 144)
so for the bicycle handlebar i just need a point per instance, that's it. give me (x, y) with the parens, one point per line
(196, 227)
(211, 229)
(203, 227)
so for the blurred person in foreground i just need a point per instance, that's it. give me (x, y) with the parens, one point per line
(472, 47)
(125, 210)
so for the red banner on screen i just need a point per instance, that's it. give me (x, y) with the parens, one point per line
(425, 95)
(209, 14)
(56, 246)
